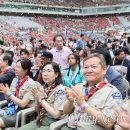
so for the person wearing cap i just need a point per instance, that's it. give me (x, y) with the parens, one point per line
(43, 47)
(45, 57)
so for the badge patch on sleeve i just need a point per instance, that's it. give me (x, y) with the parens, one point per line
(60, 92)
(116, 95)
(60, 97)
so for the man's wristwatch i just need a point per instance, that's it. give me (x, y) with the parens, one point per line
(40, 99)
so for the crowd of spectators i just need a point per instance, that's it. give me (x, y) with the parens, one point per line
(78, 61)
(69, 26)
(90, 24)
(63, 71)
(73, 3)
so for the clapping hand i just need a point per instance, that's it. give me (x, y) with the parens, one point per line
(36, 93)
(123, 118)
(70, 95)
(4, 88)
(75, 94)
(79, 97)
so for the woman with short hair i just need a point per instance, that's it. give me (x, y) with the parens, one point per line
(18, 95)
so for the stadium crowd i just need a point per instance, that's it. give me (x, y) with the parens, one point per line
(49, 26)
(76, 73)
(73, 3)
(64, 73)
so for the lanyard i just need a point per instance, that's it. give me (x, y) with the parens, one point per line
(72, 78)
(114, 60)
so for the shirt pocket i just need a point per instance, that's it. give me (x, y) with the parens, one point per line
(98, 105)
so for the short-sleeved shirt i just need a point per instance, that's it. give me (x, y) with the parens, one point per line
(56, 99)
(24, 91)
(104, 100)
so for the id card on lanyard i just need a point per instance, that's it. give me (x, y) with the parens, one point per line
(72, 79)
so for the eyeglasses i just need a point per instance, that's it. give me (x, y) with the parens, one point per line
(47, 71)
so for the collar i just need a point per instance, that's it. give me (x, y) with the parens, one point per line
(76, 70)
(60, 50)
(95, 86)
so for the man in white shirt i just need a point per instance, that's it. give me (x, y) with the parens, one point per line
(60, 52)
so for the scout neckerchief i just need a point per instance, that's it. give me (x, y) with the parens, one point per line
(92, 91)
(19, 84)
(114, 60)
(41, 109)
(87, 96)
(12, 108)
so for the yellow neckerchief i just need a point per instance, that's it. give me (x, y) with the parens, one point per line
(115, 60)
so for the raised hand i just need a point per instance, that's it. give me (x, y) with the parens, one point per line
(4, 88)
(36, 93)
(123, 118)
(78, 95)
(70, 94)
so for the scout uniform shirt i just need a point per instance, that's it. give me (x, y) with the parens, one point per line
(103, 100)
(24, 90)
(56, 99)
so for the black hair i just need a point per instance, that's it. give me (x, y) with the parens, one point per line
(24, 50)
(78, 48)
(21, 40)
(32, 38)
(56, 69)
(10, 52)
(89, 45)
(77, 58)
(2, 50)
(58, 35)
(118, 51)
(81, 35)
(129, 92)
(7, 57)
(85, 54)
(108, 34)
(40, 41)
(71, 39)
(105, 53)
(126, 50)
(26, 64)
(36, 53)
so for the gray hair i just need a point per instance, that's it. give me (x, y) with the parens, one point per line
(99, 56)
